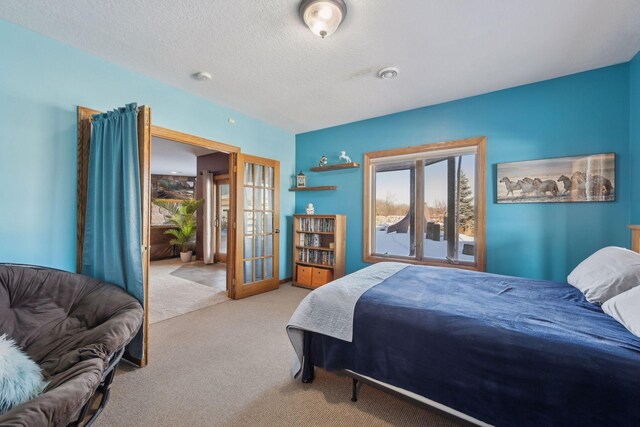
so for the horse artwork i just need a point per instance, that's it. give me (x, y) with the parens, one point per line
(588, 178)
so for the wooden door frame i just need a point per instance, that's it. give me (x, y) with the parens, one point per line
(85, 118)
(217, 179)
(185, 138)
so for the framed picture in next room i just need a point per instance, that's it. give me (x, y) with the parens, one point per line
(589, 178)
(172, 187)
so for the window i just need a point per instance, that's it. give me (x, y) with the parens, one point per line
(444, 184)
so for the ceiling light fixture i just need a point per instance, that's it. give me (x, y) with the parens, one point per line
(323, 17)
(388, 73)
(203, 76)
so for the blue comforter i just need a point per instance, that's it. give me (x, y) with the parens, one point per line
(504, 350)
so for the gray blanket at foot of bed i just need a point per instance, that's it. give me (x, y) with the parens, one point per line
(329, 309)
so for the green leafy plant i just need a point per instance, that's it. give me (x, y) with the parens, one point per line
(181, 216)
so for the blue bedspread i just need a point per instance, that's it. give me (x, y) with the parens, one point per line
(505, 350)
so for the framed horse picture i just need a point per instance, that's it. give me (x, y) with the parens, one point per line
(172, 187)
(590, 178)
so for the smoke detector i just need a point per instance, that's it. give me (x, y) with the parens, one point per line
(202, 76)
(388, 73)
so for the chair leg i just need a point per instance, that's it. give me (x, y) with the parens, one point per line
(104, 389)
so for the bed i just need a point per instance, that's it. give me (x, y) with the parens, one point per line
(488, 349)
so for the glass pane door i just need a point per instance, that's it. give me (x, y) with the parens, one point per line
(224, 216)
(258, 238)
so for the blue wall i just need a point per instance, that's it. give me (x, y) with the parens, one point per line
(579, 114)
(634, 136)
(41, 83)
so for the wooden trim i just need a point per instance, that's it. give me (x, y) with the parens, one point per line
(320, 188)
(407, 260)
(286, 280)
(367, 217)
(368, 207)
(425, 148)
(352, 165)
(144, 149)
(419, 197)
(186, 138)
(481, 208)
(84, 141)
(232, 231)
(233, 151)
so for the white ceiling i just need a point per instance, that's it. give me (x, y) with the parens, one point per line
(267, 64)
(168, 157)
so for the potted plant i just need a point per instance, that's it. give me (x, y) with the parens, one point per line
(181, 216)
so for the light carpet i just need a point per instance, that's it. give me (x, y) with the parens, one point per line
(171, 296)
(229, 365)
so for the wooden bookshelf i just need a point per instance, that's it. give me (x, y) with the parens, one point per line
(315, 261)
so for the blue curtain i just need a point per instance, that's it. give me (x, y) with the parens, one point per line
(113, 228)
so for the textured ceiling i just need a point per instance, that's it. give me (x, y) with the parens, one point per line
(267, 64)
(170, 156)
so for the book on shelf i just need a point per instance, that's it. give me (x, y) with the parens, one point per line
(316, 257)
(310, 240)
(321, 225)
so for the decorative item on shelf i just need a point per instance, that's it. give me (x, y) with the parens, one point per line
(344, 158)
(315, 240)
(323, 161)
(301, 180)
(332, 245)
(310, 209)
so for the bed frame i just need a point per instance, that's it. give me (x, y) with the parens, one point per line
(357, 380)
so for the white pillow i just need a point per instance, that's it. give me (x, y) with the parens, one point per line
(625, 308)
(20, 377)
(607, 273)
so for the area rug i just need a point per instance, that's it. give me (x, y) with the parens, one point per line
(171, 296)
(212, 275)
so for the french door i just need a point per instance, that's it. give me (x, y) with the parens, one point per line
(222, 216)
(258, 225)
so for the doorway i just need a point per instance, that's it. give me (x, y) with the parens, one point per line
(252, 267)
(185, 271)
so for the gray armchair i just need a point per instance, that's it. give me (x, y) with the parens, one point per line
(75, 328)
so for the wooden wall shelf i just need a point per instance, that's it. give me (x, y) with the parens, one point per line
(321, 188)
(352, 165)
